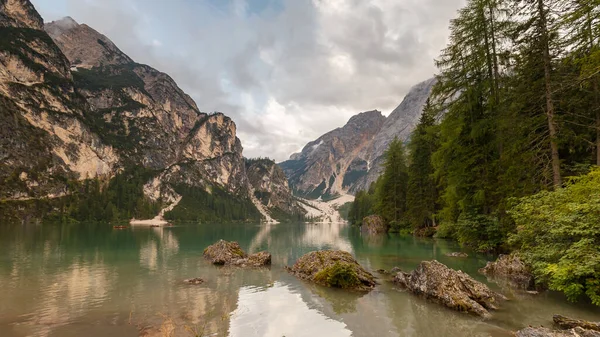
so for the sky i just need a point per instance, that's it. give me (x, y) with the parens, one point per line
(286, 71)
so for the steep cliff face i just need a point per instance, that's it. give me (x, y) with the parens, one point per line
(44, 141)
(331, 164)
(349, 159)
(75, 107)
(147, 117)
(400, 123)
(271, 188)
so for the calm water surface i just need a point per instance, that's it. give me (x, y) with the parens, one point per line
(76, 280)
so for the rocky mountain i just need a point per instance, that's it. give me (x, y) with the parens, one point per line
(332, 163)
(400, 123)
(74, 107)
(271, 188)
(349, 159)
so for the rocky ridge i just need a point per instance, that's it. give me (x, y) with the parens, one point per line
(349, 159)
(75, 107)
(330, 164)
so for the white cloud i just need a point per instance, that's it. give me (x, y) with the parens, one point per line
(288, 73)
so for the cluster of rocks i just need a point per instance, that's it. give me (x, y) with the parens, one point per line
(431, 280)
(569, 328)
(231, 254)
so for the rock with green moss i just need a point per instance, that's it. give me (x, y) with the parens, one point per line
(231, 254)
(336, 269)
(453, 289)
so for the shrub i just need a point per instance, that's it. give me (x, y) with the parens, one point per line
(558, 234)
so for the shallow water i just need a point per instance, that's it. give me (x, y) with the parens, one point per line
(75, 280)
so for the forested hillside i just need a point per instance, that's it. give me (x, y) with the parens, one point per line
(518, 85)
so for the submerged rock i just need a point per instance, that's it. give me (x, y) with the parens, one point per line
(194, 281)
(457, 254)
(230, 253)
(453, 289)
(570, 323)
(374, 224)
(336, 269)
(545, 332)
(512, 269)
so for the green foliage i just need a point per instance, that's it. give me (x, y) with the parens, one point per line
(121, 198)
(340, 275)
(422, 192)
(391, 189)
(558, 234)
(113, 77)
(344, 210)
(198, 204)
(363, 206)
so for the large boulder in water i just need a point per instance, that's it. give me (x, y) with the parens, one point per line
(374, 224)
(451, 288)
(545, 332)
(337, 269)
(230, 253)
(512, 269)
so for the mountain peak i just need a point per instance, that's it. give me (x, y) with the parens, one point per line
(20, 13)
(84, 46)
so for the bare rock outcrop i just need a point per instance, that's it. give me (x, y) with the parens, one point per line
(545, 332)
(571, 323)
(453, 289)
(511, 269)
(333, 268)
(231, 254)
(374, 224)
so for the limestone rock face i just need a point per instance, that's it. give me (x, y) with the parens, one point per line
(44, 139)
(334, 161)
(453, 289)
(374, 224)
(230, 254)
(510, 268)
(271, 188)
(74, 107)
(336, 269)
(19, 13)
(349, 159)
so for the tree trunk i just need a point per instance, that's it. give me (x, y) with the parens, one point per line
(557, 180)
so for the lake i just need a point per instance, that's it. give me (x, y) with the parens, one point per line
(93, 280)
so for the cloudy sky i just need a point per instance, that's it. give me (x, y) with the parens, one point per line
(286, 71)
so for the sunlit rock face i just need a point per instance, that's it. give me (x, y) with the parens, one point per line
(330, 164)
(75, 107)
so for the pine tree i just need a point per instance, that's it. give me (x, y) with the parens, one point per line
(422, 193)
(392, 187)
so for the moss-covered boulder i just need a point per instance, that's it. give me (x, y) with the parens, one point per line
(453, 289)
(336, 269)
(571, 323)
(230, 253)
(374, 224)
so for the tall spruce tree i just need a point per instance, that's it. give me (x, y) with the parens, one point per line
(422, 193)
(391, 188)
